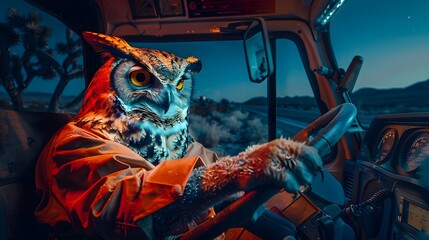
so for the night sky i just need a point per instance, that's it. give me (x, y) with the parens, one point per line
(391, 36)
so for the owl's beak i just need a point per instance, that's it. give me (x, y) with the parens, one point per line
(165, 102)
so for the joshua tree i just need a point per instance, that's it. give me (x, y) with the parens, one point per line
(8, 38)
(36, 59)
(34, 39)
(69, 69)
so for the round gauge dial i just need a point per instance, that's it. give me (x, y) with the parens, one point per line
(385, 145)
(416, 152)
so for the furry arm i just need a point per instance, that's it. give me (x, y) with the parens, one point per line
(280, 162)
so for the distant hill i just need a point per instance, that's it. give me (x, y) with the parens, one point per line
(256, 101)
(37, 96)
(34, 101)
(419, 87)
(414, 95)
(305, 102)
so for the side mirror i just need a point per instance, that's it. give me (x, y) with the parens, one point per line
(351, 75)
(258, 51)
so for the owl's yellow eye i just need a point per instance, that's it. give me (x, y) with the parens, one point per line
(140, 77)
(180, 84)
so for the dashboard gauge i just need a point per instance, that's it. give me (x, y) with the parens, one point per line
(416, 151)
(385, 145)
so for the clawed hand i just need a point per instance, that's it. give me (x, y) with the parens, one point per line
(289, 164)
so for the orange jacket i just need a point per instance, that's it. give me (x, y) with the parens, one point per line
(100, 187)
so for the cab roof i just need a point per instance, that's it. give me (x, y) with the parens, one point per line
(178, 20)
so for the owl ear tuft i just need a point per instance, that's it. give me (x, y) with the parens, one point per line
(194, 65)
(107, 45)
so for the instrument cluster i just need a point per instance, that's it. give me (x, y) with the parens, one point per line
(398, 147)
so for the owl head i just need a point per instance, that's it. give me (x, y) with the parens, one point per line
(141, 78)
(139, 96)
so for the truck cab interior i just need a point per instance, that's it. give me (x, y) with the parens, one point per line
(374, 142)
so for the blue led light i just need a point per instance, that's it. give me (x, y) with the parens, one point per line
(329, 11)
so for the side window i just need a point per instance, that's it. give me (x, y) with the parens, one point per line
(394, 77)
(296, 106)
(41, 63)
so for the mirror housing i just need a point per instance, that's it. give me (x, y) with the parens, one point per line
(350, 77)
(257, 50)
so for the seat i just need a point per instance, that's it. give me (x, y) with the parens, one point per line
(22, 137)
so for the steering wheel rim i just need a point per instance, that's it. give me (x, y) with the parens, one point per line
(332, 125)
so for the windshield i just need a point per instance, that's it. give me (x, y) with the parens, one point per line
(393, 39)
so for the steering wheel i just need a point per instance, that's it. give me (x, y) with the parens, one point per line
(329, 128)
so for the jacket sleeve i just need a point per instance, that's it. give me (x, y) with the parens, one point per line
(87, 181)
